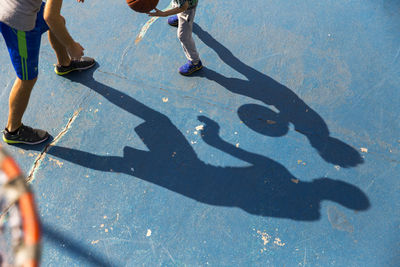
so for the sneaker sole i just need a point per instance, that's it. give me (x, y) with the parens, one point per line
(24, 142)
(193, 70)
(66, 72)
(174, 24)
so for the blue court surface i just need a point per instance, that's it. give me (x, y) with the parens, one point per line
(283, 151)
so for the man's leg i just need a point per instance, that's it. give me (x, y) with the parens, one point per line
(15, 131)
(23, 48)
(18, 101)
(64, 62)
(63, 58)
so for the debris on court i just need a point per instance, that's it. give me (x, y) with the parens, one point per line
(266, 238)
(278, 242)
(56, 161)
(199, 127)
(301, 162)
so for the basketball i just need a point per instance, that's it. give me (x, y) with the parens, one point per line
(142, 6)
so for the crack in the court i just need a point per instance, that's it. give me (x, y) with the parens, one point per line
(39, 159)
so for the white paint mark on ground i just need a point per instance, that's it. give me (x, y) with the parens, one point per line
(149, 23)
(148, 233)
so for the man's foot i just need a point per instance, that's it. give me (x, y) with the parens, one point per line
(81, 64)
(25, 135)
(173, 20)
(189, 68)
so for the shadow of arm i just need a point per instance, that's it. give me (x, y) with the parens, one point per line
(210, 135)
(224, 53)
(88, 160)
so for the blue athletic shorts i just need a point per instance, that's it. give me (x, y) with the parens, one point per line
(23, 47)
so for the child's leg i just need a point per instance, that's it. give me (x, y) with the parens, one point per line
(184, 33)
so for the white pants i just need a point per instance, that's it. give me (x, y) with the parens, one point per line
(185, 28)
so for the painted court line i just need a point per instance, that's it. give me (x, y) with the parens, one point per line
(148, 24)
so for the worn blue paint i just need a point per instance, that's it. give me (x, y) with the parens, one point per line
(297, 163)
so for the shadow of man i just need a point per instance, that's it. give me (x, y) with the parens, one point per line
(264, 188)
(291, 108)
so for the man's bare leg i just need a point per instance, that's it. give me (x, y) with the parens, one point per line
(64, 62)
(63, 58)
(18, 101)
(15, 131)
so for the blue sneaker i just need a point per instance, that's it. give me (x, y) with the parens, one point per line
(189, 68)
(173, 20)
